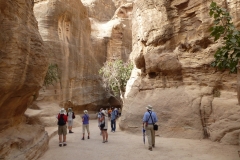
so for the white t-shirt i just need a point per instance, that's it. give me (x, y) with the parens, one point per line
(70, 114)
(106, 122)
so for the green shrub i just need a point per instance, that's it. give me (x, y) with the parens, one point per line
(227, 56)
(52, 75)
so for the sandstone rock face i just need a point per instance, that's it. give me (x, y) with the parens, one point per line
(172, 51)
(113, 37)
(65, 29)
(23, 65)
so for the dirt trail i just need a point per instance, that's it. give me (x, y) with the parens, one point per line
(123, 146)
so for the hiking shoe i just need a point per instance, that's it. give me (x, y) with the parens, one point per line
(83, 138)
(153, 145)
(60, 144)
(88, 137)
(150, 148)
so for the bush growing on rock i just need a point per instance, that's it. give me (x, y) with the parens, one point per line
(115, 74)
(227, 56)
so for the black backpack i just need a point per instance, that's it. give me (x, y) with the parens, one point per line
(61, 121)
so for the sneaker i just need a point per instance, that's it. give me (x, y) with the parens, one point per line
(150, 148)
(88, 137)
(153, 145)
(64, 144)
(83, 138)
(103, 141)
(60, 144)
(71, 131)
(106, 141)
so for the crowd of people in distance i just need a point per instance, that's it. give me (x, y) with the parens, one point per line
(103, 116)
(65, 120)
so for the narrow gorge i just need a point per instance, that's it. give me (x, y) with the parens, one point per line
(168, 42)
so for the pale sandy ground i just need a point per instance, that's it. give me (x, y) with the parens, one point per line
(125, 146)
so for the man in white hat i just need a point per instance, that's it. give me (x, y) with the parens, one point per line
(62, 128)
(70, 116)
(149, 119)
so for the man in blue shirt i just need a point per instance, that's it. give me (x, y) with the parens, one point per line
(149, 119)
(113, 120)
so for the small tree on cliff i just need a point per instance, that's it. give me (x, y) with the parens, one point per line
(115, 75)
(227, 56)
(52, 75)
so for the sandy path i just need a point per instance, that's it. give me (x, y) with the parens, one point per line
(123, 146)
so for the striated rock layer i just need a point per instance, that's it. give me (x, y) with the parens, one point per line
(172, 51)
(23, 65)
(65, 29)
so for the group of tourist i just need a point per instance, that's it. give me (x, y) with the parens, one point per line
(63, 118)
(67, 118)
(149, 119)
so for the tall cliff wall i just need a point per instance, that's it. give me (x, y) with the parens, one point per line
(172, 51)
(79, 38)
(65, 29)
(23, 64)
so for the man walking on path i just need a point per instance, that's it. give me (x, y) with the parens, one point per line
(85, 125)
(149, 119)
(113, 120)
(62, 128)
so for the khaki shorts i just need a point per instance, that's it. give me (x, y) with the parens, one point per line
(62, 130)
(85, 126)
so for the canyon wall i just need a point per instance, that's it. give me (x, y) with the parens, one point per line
(172, 52)
(169, 45)
(65, 28)
(79, 37)
(23, 64)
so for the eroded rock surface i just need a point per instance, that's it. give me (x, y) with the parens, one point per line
(172, 51)
(65, 28)
(23, 64)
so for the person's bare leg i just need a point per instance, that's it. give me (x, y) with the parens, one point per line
(88, 135)
(103, 135)
(106, 136)
(64, 140)
(60, 140)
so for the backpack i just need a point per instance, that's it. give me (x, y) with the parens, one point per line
(73, 116)
(61, 121)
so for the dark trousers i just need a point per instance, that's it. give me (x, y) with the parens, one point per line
(113, 125)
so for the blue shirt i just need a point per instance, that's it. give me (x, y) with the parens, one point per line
(147, 118)
(113, 115)
(85, 119)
